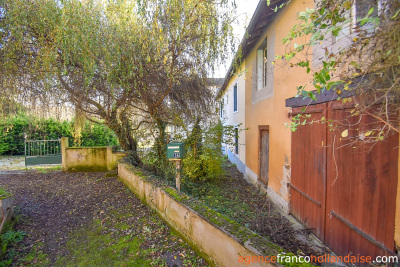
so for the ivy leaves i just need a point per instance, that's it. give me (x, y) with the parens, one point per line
(339, 41)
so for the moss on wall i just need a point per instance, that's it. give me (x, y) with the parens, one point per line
(87, 168)
(191, 212)
(90, 159)
(239, 232)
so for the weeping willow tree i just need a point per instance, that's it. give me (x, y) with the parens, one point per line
(129, 64)
(79, 124)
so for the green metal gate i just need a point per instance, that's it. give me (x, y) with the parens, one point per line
(39, 152)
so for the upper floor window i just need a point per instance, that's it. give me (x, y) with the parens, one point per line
(235, 98)
(359, 10)
(363, 6)
(262, 60)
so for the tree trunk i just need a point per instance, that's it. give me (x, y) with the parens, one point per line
(124, 133)
(161, 141)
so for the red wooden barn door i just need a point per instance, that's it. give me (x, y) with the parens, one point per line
(361, 186)
(343, 187)
(307, 202)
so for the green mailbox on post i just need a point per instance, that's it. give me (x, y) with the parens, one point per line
(175, 150)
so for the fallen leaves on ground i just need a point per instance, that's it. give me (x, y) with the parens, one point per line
(87, 218)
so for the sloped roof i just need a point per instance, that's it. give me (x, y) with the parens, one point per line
(262, 17)
(215, 81)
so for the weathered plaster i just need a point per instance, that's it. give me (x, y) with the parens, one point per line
(5, 204)
(252, 178)
(95, 159)
(269, 109)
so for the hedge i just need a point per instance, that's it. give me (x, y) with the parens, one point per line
(15, 130)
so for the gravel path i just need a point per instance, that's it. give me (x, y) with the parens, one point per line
(12, 162)
(80, 219)
(18, 163)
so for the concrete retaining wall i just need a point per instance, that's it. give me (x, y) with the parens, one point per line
(6, 214)
(5, 204)
(95, 159)
(216, 245)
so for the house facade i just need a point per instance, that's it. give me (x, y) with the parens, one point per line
(264, 147)
(349, 197)
(232, 112)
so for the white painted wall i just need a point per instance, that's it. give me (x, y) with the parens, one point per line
(230, 117)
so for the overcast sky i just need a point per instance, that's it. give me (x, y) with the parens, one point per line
(245, 10)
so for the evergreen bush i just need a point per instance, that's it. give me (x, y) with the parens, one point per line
(15, 130)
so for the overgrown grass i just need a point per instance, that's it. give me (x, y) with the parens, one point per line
(36, 256)
(218, 195)
(224, 200)
(96, 247)
(10, 244)
(4, 193)
(112, 242)
(7, 242)
(48, 169)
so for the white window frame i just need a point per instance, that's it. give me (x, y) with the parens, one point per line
(235, 100)
(349, 28)
(262, 65)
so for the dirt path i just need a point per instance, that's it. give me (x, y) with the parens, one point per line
(89, 219)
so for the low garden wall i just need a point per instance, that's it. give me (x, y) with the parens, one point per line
(219, 240)
(5, 205)
(6, 208)
(95, 159)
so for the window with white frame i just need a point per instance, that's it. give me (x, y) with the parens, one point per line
(235, 98)
(362, 7)
(359, 10)
(262, 69)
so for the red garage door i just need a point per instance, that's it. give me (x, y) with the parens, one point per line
(344, 188)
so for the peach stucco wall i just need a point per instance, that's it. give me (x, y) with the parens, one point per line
(270, 109)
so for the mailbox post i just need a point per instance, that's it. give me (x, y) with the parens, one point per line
(175, 152)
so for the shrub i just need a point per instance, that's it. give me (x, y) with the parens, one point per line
(204, 160)
(13, 135)
(151, 162)
(14, 131)
(98, 135)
